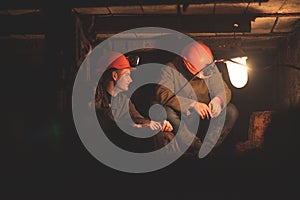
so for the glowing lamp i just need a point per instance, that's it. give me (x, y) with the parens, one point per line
(238, 71)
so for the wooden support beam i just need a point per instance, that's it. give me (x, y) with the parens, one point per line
(36, 23)
(183, 23)
(31, 4)
(59, 55)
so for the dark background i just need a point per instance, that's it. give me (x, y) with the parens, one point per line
(42, 155)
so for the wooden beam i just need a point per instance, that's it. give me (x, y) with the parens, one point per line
(182, 23)
(31, 4)
(35, 23)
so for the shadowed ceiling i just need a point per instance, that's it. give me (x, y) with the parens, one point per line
(257, 24)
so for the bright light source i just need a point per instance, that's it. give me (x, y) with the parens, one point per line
(238, 71)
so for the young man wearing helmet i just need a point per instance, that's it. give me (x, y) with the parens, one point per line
(207, 99)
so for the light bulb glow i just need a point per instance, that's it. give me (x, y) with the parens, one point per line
(238, 73)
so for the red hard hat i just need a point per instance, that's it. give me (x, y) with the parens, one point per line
(196, 55)
(119, 61)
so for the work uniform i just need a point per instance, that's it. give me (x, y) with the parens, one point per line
(174, 80)
(123, 112)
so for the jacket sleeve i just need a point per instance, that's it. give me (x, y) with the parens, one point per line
(219, 88)
(136, 116)
(169, 83)
(228, 93)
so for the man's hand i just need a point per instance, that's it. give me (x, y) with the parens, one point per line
(203, 110)
(167, 127)
(215, 106)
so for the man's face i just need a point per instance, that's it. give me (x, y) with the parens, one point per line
(123, 79)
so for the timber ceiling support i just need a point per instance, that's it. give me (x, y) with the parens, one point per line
(60, 52)
(186, 24)
(35, 24)
(31, 4)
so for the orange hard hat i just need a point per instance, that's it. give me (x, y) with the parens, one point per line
(196, 56)
(119, 61)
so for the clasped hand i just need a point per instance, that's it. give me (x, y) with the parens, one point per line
(154, 126)
(213, 109)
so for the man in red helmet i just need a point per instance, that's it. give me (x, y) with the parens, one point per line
(114, 82)
(197, 66)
